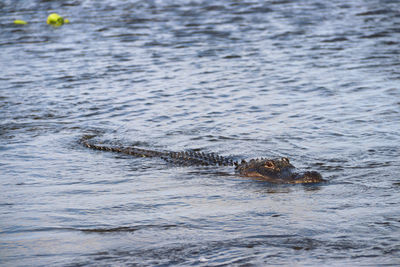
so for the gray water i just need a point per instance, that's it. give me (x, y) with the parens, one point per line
(315, 81)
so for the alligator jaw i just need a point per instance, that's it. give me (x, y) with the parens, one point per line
(308, 177)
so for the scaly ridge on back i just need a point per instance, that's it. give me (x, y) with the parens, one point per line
(197, 159)
(192, 158)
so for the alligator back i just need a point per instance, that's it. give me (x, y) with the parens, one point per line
(187, 158)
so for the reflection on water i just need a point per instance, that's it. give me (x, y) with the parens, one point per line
(315, 82)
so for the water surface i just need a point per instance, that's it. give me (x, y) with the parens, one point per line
(314, 81)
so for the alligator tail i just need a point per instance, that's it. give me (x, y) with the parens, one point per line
(185, 158)
(133, 151)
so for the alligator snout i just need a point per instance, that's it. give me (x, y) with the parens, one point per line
(308, 177)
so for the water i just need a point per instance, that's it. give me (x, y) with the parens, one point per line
(315, 81)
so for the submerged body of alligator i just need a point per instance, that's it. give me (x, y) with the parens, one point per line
(278, 170)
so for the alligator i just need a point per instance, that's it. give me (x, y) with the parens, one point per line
(276, 170)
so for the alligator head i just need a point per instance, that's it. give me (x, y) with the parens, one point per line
(277, 171)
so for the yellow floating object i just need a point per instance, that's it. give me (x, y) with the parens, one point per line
(20, 22)
(56, 20)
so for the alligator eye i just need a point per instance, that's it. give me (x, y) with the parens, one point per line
(269, 164)
(286, 160)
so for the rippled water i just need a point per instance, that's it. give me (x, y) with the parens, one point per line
(316, 81)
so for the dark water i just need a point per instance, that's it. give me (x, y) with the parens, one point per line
(316, 81)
